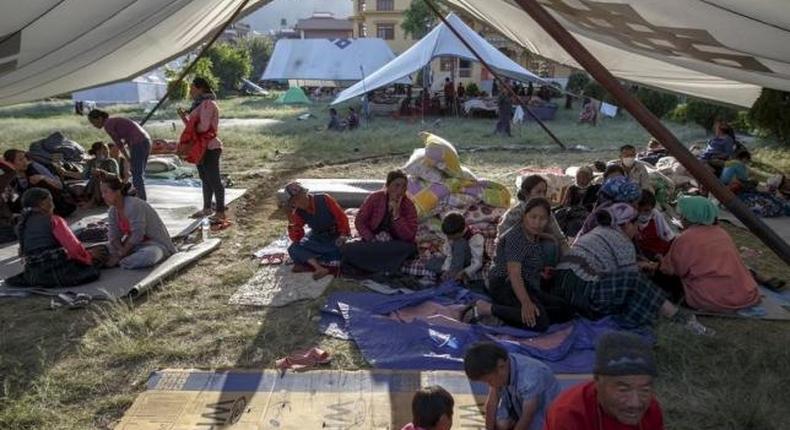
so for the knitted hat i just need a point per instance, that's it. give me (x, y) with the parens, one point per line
(623, 353)
(294, 189)
(621, 189)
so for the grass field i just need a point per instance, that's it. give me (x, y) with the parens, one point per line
(82, 369)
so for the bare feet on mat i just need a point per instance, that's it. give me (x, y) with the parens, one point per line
(320, 273)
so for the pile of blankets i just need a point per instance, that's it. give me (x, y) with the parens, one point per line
(438, 184)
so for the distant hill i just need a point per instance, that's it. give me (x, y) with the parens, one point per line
(270, 16)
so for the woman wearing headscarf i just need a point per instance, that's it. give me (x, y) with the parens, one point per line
(203, 148)
(615, 189)
(708, 263)
(600, 276)
(387, 224)
(53, 257)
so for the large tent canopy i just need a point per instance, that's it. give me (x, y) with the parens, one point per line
(723, 50)
(343, 60)
(51, 47)
(440, 42)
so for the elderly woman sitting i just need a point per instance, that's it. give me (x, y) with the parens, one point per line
(387, 224)
(600, 276)
(708, 263)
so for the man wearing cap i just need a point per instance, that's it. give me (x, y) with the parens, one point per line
(620, 397)
(328, 224)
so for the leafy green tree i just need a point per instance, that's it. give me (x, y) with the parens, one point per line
(657, 102)
(706, 114)
(180, 91)
(577, 81)
(418, 19)
(230, 63)
(260, 50)
(771, 113)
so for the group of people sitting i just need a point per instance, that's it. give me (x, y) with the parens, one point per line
(36, 199)
(523, 393)
(625, 260)
(336, 124)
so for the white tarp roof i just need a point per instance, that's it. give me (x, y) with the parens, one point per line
(438, 43)
(327, 59)
(51, 47)
(142, 89)
(723, 50)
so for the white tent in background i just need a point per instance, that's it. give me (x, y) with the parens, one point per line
(329, 62)
(52, 47)
(721, 50)
(440, 42)
(142, 89)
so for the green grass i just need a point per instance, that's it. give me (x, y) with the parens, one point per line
(82, 369)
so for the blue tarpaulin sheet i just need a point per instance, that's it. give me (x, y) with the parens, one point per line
(439, 343)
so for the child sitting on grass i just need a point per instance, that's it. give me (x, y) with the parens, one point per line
(431, 409)
(520, 388)
(463, 249)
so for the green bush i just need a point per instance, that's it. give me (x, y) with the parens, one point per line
(706, 114)
(472, 90)
(742, 123)
(657, 102)
(771, 114)
(680, 113)
(577, 81)
(230, 63)
(178, 92)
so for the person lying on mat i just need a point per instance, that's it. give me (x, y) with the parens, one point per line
(431, 409)
(34, 175)
(125, 132)
(620, 397)
(463, 249)
(534, 186)
(138, 237)
(707, 261)
(328, 224)
(387, 224)
(514, 281)
(600, 276)
(520, 388)
(52, 256)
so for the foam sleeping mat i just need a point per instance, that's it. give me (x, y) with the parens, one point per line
(173, 204)
(773, 307)
(116, 283)
(349, 193)
(322, 399)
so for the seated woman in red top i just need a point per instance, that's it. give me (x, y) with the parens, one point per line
(621, 396)
(53, 257)
(387, 224)
(328, 224)
(655, 234)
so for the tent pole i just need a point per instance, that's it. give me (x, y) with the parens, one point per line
(501, 81)
(655, 127)
(191, 65)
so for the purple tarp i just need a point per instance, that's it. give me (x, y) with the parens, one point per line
(439, 343)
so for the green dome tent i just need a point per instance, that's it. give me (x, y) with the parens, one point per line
(293, 96)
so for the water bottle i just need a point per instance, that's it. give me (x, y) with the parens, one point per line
(205, 226)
